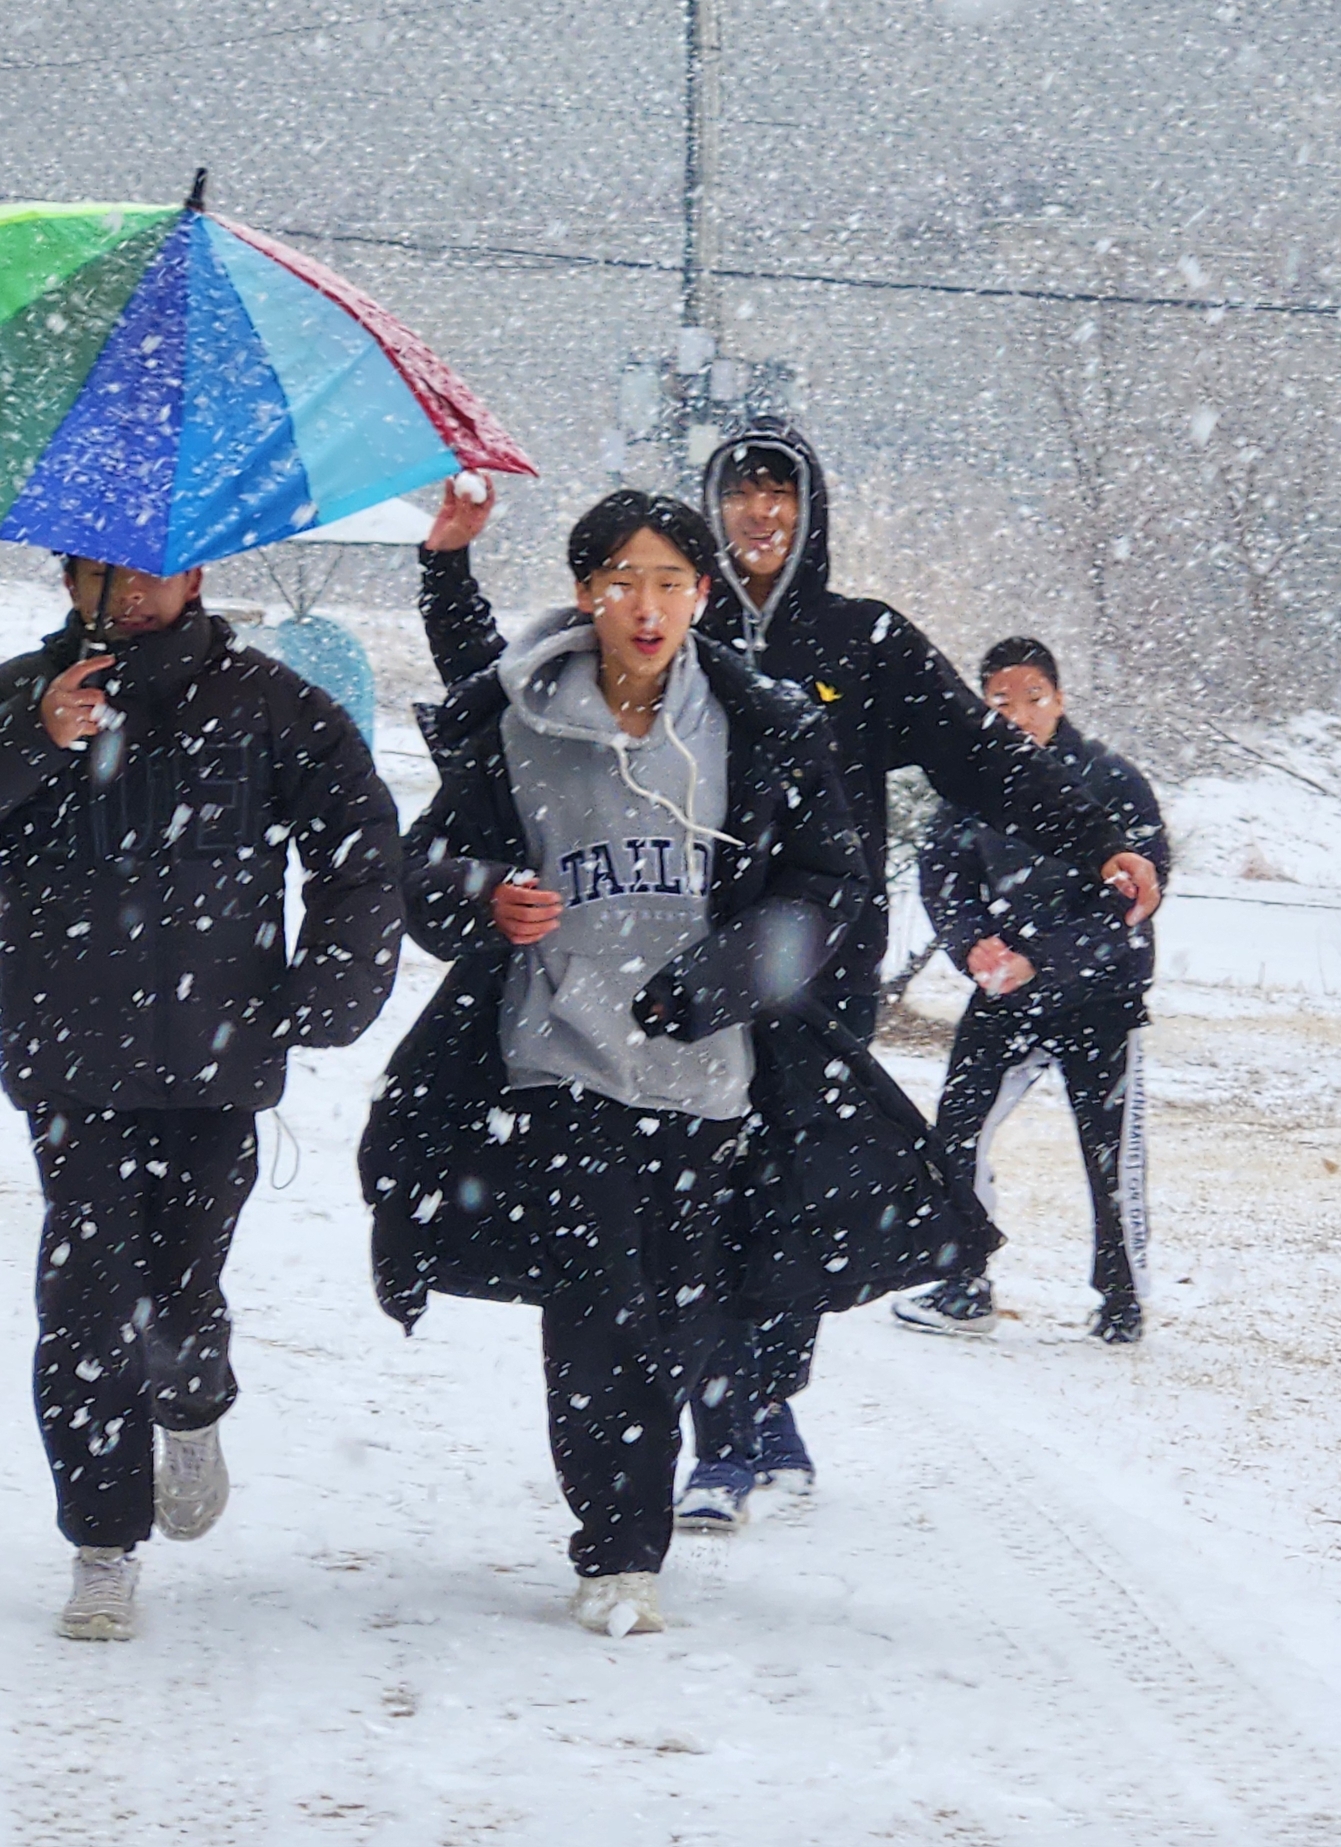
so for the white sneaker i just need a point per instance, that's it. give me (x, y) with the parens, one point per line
(102, 1603)
(956, 1306)
(711, 1510)
(190, 1482)
(625, 1603)
(794, 1482)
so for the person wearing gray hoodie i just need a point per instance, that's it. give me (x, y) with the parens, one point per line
(622, 1022)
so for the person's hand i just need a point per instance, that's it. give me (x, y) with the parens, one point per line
(1134, 877)
(70, 710)
(997, 968)
(461, 518)
(524, 913)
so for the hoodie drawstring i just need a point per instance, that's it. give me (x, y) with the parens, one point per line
(685, 815)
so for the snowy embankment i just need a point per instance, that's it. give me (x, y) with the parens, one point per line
(1047, 1594)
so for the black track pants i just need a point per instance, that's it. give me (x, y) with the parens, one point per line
(132, 1324)
(635, 1230)
(755, 1367)
(998, 1055)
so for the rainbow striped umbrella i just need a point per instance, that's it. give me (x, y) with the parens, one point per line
(175, 388)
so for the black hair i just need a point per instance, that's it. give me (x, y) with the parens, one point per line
(601, 531)
(1018, 651)
(747, 461)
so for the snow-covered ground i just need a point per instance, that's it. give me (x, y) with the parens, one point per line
(1046, 1594)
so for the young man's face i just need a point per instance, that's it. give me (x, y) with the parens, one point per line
(641, 605)
(1028, 698)
(759, 515)
(138, 605)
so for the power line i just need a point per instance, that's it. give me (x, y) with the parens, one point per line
(571, 259)
(178, 49)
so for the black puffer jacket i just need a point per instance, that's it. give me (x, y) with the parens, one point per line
(891, 698)
(142, 962)
(978, 883)
(840, 1193)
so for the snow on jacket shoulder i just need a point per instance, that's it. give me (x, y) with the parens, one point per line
(842, 1196)
(977, 882)
(142, 955)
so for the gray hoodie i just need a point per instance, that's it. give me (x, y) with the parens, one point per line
(624, 828)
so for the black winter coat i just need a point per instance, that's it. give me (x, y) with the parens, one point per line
(891, 698)
(841, 1195)
(142, 956)
(978, 883)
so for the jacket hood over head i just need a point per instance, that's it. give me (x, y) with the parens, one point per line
(807, 566)
(557, 700)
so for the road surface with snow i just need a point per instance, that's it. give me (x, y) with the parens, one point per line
(1046, 1593)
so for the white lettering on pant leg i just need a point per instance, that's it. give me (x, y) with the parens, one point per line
(1131, 1167)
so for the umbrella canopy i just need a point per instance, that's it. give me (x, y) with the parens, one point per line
(175, 388)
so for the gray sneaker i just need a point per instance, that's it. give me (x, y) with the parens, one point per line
(958, 1306)
(190, 1482)
(102, 1603)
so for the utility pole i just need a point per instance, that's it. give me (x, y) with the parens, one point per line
(692, 412)
(682, 401)
(703, 115)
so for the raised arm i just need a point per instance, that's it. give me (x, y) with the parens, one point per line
(458, 620)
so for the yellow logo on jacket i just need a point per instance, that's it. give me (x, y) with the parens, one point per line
(826, 692)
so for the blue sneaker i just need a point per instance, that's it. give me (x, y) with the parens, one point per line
(715, 1498)
(784, 1460)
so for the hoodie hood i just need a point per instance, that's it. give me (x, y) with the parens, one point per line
(549, 674)
(807, 566)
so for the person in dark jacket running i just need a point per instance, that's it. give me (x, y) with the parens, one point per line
(1061, 980)
(146, 1009)
(891, 699)
(621, 1104)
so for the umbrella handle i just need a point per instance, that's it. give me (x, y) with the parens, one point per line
(104, 600)
(196, 201)
(97, 640)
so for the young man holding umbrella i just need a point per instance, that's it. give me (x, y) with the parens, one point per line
(891, 700)
(146, 1010)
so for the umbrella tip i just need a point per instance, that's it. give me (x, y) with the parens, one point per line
(196, 202)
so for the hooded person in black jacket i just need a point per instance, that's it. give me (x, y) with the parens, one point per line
(891, 700)
(1061, 979)
(146, 1009)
